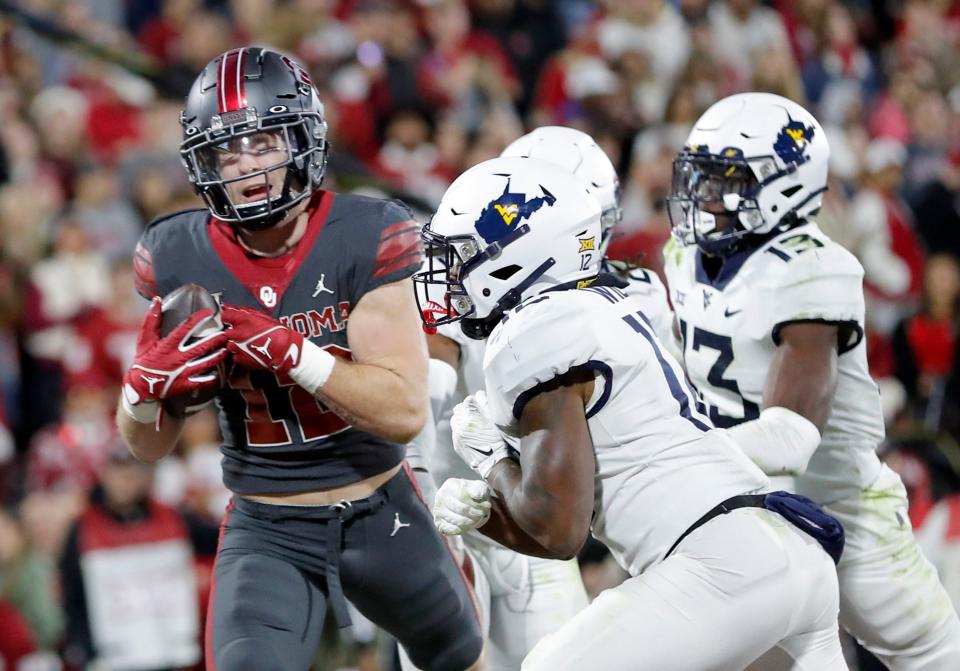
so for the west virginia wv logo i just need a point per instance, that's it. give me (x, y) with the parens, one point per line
(499, 216)
(792, 141)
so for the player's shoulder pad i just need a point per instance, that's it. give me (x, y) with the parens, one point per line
(159, 240)
(191, 215)
(807, 277)
(165, 229)
(632, 274)
(539, 340)
(803, 255)
(644, 282)
(393, 236)
(372, 212)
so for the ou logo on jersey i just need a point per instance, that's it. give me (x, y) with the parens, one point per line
(268, 296)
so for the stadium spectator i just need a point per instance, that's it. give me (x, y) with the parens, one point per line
(938, 209)
(28, 584)
(888, 245)
(925, 347)
(128, 582)
(742, 30)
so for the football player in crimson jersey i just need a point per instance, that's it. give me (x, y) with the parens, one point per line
(324, 370)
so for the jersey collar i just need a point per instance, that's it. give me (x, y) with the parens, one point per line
(276, 272)
(732, 264)
(603, 279)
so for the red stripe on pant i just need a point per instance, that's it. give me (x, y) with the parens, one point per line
(208, 625)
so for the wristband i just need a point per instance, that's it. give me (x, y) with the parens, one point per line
(314, 368)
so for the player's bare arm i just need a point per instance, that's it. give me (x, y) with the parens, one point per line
(384, 390)
(544, 505)
(803, 372)
(443, 349)
(147, 442)
(797, 397)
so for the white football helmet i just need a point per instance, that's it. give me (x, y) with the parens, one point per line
(505, 230)
(579, 153)
(753, 163)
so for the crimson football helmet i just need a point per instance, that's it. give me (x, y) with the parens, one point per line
(263, 103)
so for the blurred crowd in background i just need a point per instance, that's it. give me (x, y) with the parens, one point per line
(416, 91)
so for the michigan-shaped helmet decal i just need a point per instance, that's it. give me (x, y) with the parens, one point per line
(792, 141)
(501, 216)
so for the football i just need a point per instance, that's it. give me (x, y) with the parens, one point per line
(176, 308)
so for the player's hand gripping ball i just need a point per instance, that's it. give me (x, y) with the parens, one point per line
(180, 352)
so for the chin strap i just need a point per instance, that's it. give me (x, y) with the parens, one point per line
(268, 220)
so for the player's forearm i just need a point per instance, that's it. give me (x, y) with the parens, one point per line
(525, 520)
(377, 400)
(145, 441)
(502, 528)
(803, 373)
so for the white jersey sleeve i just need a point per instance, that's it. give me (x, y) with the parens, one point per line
(523, 354)
(822, 283)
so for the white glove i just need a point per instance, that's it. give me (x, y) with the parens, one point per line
(461, 505)
(476, 439)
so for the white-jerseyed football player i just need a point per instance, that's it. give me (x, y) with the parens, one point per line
(771, 314)
(523, 598)
(609, 436)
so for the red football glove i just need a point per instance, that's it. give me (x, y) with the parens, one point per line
(170, 366)
(257, 340)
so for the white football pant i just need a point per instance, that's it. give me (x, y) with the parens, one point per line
(735, 587)
(891, 599)
(528, 598)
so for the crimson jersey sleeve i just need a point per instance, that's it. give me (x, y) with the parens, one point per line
(396, 253)
(160, 253)
(145, 276)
